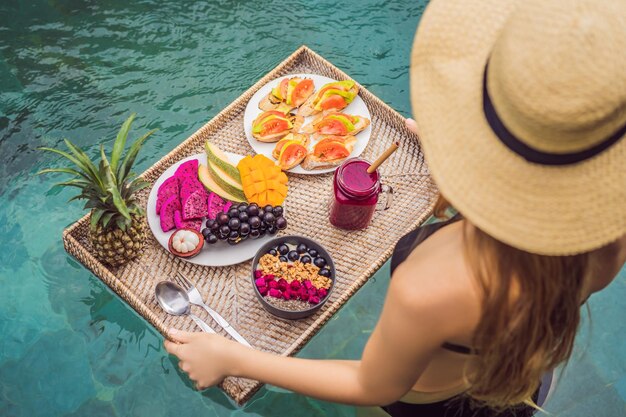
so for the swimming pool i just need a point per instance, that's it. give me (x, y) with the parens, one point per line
(76, 69)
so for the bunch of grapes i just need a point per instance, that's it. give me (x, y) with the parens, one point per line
(244, 221)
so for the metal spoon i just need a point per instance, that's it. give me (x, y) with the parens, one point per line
(174, 300)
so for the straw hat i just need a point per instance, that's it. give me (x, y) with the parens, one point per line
(521, 109)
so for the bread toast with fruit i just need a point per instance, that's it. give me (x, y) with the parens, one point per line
(271, 126)
(338, 124)
(292, 137)
(329, 152)
(290, 93)
(333, 96)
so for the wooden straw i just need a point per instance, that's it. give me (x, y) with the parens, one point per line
(383, 157)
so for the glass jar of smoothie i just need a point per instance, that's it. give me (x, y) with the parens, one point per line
(355, 195)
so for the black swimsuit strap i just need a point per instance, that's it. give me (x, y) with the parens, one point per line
(405, 246)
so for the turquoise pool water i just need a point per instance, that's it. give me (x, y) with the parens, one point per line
(76, 69)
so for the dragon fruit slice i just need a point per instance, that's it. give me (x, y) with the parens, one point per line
(195, 205)
(195, 224)
(217, 205)
(168, 209)
(189, 185)
(187, 169)
(167, 189)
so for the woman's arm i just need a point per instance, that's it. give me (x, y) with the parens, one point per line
(409, 330)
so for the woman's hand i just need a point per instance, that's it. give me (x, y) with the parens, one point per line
(205, 357)
(411, 125)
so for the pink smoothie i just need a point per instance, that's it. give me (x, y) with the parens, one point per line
(355, 195)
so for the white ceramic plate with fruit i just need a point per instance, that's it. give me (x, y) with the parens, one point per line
(356, 107)
(219, 253)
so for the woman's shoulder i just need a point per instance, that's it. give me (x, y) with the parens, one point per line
(436, 277)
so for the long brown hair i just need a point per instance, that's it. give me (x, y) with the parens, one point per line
(530, 314)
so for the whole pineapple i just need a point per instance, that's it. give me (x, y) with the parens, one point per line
(117, 228)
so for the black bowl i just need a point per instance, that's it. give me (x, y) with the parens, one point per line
(293, 240)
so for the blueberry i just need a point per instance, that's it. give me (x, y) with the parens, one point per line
(242, 207)
(324, 272)
(233, 235)
(244, 229)
(269, 217)
(243, 217)
(211, 239)
(281, 223)
(224, 230)
(282, 258)
(234, 223)
(233, 212)
(253, 210)
(293, 255)
(255, 222)
(301, 248)
(210, 223)
(222, 218)
(283, 249)
(206, 232)
(313, 253)
(271, 229)
(319, 262)
(254, 233)
(278, 211)
(273, 252)
(306, 259)
(268, 208)
(261, 213)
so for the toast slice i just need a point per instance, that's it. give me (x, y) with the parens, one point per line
(293, 120)
(292, 137)
(317, 159)
(290, 93)
(313, 106)
(323, 124)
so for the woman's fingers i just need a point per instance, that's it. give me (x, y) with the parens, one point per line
(171, 347)
(411, 125)
(181, 336)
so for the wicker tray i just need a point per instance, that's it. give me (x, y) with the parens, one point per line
(357, 255)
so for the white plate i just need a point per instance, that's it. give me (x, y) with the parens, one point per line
(219, 254)
(357, 107)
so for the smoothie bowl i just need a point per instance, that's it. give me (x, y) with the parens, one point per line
(292, 276)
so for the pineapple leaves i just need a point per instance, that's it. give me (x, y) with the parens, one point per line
(96, 215)
(120, 142)
(111, 185)
(64, 171)
(86, 161)
(129, 160)
(105, 219)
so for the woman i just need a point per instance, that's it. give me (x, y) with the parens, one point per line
(521, 112)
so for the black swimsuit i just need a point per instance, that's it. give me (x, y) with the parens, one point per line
(403, 249)
(460, 405)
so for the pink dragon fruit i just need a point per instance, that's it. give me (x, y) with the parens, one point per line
(166, 214)
(195, 205)
(189, 185)
(167, 189)
(195, 224)
(187, 169)
(217, 205)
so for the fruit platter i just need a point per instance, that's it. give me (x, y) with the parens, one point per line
(217, 208)
(308, 123)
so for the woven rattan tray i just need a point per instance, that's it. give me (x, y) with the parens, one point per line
(357, 255)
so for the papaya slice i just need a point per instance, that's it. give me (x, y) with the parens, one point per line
(291, 155)
(330, 150)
